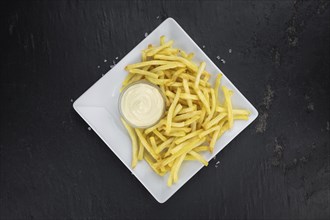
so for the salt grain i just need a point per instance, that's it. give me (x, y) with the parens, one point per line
(223, 61)
(71, 100)
(203, 46)
(98, 67)
(230, 50)
(217, 162)
(89, 128)
(111, 66)
(145, 34)
(116, 58)
(157, 17)
(218, 57)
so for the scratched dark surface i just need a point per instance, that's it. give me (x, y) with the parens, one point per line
(53, 167)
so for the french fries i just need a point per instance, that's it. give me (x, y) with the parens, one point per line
(194, 118)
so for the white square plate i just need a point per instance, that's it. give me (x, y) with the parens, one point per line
(98, 106)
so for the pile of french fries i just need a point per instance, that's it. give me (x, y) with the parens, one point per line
(194, 119)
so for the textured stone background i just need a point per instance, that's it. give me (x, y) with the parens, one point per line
(52, 166)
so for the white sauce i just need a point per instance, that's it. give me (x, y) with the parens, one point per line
(142, 105)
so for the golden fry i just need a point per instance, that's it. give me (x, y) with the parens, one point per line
(213, 106)
(148, 63)
(206, 132)
(217, 85)
(203, 100)
(162, 40)
(177, 167)
(186, 116)
(153, 143)
(199, 157)
(215, 120)
(177, 110)
(164, 144)
(229, 106)
(190, 121)
(157, 49)
(141, 151)
(159, 135)
(171, 110)
(132, 135)
(190, 109)
(199, 73)
(214, 139)
(191, 135)
(146, 144)
(143, 72)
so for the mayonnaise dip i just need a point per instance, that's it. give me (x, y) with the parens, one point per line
(142, 104)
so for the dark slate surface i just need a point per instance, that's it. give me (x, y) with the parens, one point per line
(53, 167)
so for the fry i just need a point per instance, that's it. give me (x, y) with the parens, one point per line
(193, 119)
(201, 148)
(229, 106)
(186, 116)
(143, 72)
(214, 139)
(193, 126)
(204, 133)
(190, 56)
(162, 40)
(215, 120)
(177, 110)
(157, 49)
(177, 134)
(148, 158)
(171, 110)
(177, 73)
(217, 85)
(213, 106)
(201, 119)
(183, 53)
(187, 90)
(127, 79)
(241, 117)
(157, 81)
(160, 123)
(149, 63)
(188, 96)
(167, 66)
(186, 110)
(158, 134)
(177, 167)
(198, 157)
(146, 144)
(163, 145)
(141, 151)
(153, 143)
(184, 129)
(191, 135)
(235, 111)
(199, 73)
(203, 99)
(134, 142)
